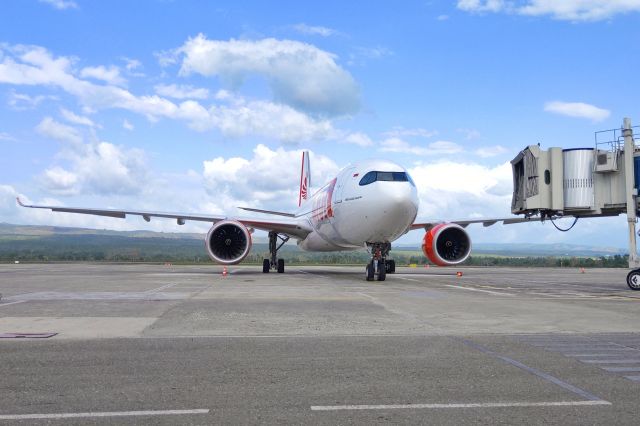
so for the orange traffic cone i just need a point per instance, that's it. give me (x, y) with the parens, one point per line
(458, 274)
(224, 271)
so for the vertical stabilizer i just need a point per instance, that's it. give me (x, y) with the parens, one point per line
(305, 179)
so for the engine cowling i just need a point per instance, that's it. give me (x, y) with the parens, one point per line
(228, 242)
(446, 244)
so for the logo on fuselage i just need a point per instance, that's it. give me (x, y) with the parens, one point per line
(322, 208)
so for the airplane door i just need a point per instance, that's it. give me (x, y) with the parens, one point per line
(343, 181)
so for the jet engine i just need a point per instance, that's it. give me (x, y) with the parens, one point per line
(446, 244)
(228, 242)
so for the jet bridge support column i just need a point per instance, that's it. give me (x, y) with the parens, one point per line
(631, 191)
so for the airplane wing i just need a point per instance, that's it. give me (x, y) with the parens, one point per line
(293, 227)
(505, 220)
(485, 222)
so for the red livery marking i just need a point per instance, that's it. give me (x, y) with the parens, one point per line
(322, 208)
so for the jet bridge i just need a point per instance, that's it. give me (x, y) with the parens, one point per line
(597, 181)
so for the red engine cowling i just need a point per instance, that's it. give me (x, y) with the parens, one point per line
(446, 244)
(228, 242)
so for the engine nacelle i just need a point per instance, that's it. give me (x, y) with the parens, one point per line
(228, 242)
(446, 244)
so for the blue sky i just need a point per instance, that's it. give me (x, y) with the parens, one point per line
(202, 106)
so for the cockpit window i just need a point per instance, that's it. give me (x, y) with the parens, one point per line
(385, 176)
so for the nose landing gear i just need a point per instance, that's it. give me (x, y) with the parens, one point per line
(274, 262)
(379, 265)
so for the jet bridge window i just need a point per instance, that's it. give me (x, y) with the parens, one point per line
(385, 176)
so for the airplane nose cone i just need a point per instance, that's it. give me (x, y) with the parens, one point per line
(397, 206)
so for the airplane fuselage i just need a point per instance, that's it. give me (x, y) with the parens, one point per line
(369, 202)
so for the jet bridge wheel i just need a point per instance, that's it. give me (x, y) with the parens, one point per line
(633, 279)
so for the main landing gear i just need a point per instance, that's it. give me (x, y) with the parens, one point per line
(274, 246)
(379, 266)
(633, 279)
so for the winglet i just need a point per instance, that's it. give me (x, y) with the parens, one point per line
(20, 202)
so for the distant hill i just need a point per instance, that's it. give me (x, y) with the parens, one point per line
(45, 243)
(41, 231)
(526, 249)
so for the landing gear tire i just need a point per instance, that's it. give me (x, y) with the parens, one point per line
(369, 271)
(390, 266)
(633, 279)
(274, 246)
(382, 270)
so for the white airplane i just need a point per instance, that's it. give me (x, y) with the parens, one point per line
(367, 205)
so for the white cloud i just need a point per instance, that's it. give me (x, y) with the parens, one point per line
(434, 148)
(269, 179)
(4, 136)
(22, 101)
(98, 168)
(470, 134)
(570, 10)
(260, 118)
(34, 65)
(95, 167)
(127, 126)
(490, 151)
(76, 119)
(181, 91)
(131, 64)
(357, 138)
(60, 181)
(110, 75)
(481, 5)
(314, 30)
(578, 110)
(454, 190)
(53, 129)
(400, 132)
(61, 4)
(327, 88)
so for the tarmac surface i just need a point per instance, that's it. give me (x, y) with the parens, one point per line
(153, 344)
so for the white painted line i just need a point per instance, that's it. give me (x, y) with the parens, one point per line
(592, 355)
(101, 414)
(634, 378)
(477, 289)
(611, 361)
(470, 405)
(541, 374)
(11, 303)
(153, 290)
(410, 279)
(622, 369)
(312, 273)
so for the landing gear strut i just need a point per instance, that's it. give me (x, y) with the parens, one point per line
(379, 265)
(274, 246)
